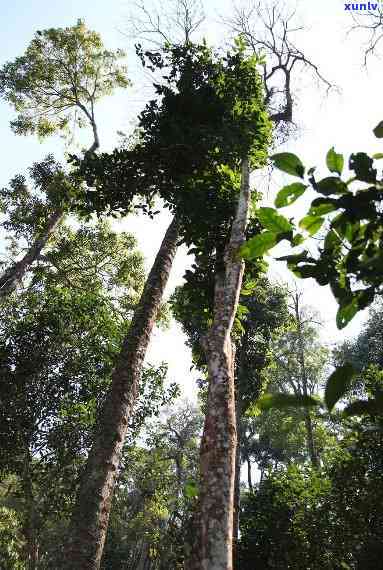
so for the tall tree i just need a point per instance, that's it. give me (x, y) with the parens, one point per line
(54, 87)
(261, 311)
(90, 519)
(196, 162)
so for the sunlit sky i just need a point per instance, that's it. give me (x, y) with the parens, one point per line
(344, 118)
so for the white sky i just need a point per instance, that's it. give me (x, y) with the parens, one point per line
(344, 119)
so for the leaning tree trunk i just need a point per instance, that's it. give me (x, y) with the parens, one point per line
(89, 523)
(218, 446)
(14, 274)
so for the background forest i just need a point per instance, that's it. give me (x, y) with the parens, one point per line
(191, 269)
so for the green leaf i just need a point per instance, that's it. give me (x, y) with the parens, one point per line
(331, 185)
(289, 194)
(258, 245)
(338, 384)
(311, 224)
(378, 155)
(346, 313)
(298, 239)
(322, 206)
(289, 162)
(378, 131)
(271, 220)
(280, 401)
(335, 162)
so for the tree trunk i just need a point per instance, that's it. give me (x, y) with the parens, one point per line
(249, 477)
(308, 422)
(89, 523)
(30, 526)
(218, 445)
(237, 491)
(14, 274)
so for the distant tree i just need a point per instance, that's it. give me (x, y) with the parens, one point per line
(155, 495)
(300, 518)
(54, 87)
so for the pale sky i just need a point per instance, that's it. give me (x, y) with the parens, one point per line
(344, 118)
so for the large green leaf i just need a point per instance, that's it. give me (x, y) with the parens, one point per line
(338, 384)
(289, 162)
(258, 245)
(273, 221)
(322, 206)
(311, 224)
(331, 185)
(289, 194)
(279, 400)
(335, 162)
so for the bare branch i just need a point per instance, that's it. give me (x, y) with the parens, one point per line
(268, 29)
(370, 23)
(157, 25)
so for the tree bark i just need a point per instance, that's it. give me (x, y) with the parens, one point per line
(89, 523)
(237, 481)
(218, 445)
(14, 274)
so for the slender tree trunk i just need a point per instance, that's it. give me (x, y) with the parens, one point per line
(89, 524)
(301, 356)
(14, 274)
(218, 445)
(249, 477)
(30, 530)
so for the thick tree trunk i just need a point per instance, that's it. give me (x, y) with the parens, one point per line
(237, 491)
(14, 274)
(218, 445)
(89, 524)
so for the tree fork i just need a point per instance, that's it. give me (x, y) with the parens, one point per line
(89, 524)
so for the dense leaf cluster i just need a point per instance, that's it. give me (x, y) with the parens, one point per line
(208, 114)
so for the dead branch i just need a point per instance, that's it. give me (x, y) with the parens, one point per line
(268, 30)
(369, 23)
(174, 23)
